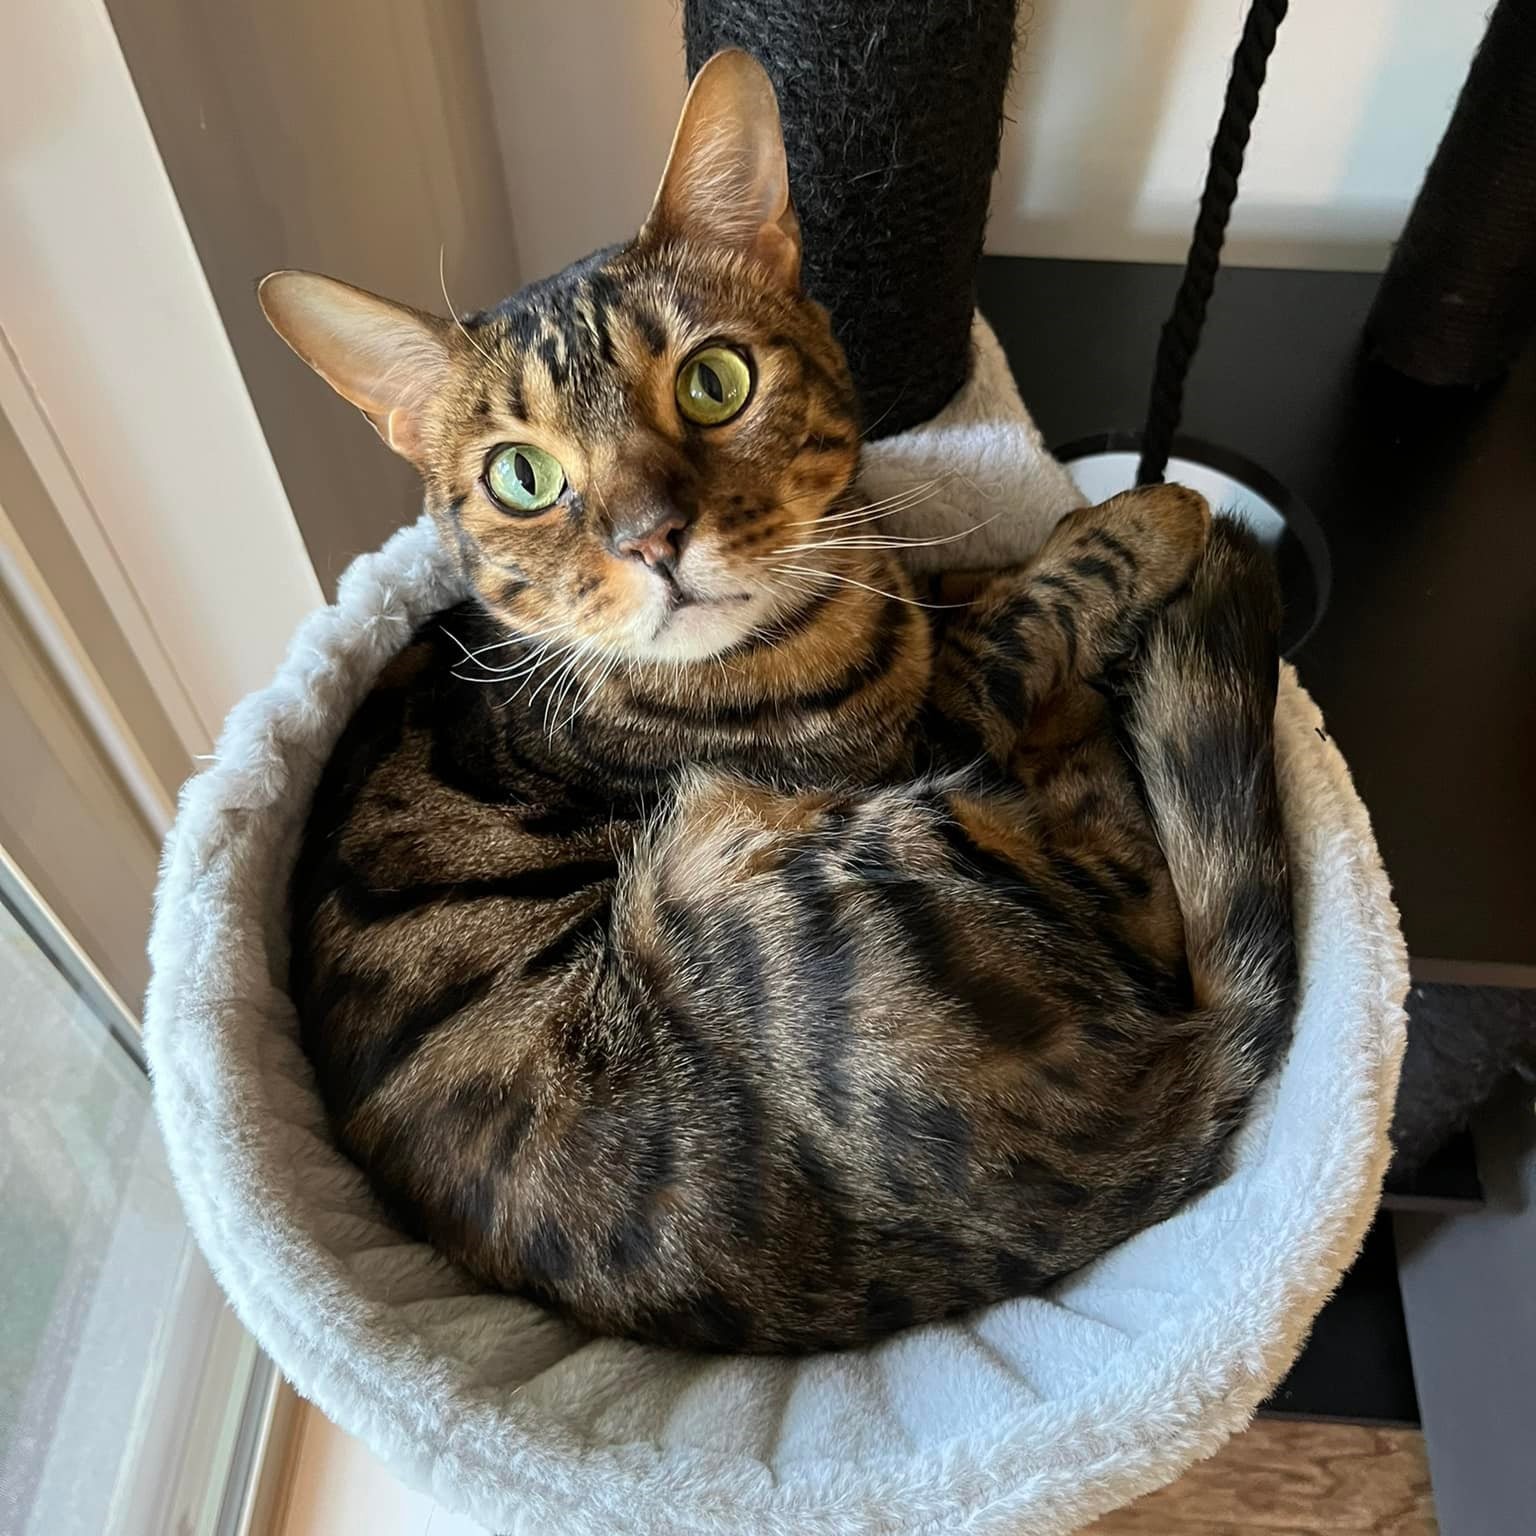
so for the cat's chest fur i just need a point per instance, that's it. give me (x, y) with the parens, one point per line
(804, 710)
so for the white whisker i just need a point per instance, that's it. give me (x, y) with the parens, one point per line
(593, 689)
(520, 638)
(565, 654)
(442, 280)
(895, 597)
(878, 541)
(524, 668)
(577, 676)
(916, 488)
(546, 656)
(870, 510)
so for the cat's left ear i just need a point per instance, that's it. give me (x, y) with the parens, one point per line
(727, 181)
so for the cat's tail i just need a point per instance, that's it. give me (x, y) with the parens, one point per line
(1201, 717)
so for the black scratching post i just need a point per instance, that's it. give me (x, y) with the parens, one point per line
(893, 112)
(1458, 301)
(1456, 307)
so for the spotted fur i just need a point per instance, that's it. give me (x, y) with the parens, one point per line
(734, 953)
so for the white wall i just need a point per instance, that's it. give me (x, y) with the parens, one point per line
(1115, 103)
(1113, 106)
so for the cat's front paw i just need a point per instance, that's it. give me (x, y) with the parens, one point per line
(1155, 536)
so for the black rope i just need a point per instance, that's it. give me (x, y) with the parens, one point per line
(1181, 332)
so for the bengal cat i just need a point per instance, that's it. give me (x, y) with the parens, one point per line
(694, 933)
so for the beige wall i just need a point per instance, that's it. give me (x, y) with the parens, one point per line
(585, 95)
(352, 136)
(1113, 106)
(29, 516)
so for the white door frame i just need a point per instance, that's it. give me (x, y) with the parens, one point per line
(118, 379)
(144, 534)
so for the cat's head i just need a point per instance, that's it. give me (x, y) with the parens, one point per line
(625, 454)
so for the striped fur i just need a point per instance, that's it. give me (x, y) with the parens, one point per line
(741, 954)
(675, 1022)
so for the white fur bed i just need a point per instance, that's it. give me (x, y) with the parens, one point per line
(1035, 1415)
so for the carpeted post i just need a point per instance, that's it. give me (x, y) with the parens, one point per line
(1458, 300)
(892, 110)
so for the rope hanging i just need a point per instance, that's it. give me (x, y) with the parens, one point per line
(1181, 332)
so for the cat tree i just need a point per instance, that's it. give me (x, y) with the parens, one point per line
(1038, 1414)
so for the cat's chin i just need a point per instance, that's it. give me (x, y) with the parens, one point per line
(702, 630)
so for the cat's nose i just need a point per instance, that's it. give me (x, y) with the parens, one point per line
(658, 545)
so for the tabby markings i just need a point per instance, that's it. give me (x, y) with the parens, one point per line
(552, 882)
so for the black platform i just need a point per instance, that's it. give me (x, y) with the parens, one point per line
(1356, 1366)
(1424, 659)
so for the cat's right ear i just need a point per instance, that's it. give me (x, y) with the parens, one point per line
(388, 360)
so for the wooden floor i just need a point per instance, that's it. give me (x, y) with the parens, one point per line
(1277, 1479)
(1281, 1478)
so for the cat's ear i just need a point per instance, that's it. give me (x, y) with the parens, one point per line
(727, 181)
(388, 360)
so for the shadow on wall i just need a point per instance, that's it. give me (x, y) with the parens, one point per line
(320, 135)
(585, 95)
(1113, 108)
(1276, 235)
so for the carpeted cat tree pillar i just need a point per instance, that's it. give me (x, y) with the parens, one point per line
(892, 116)
(1458, 301)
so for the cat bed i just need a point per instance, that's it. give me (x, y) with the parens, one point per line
(1038, 1414)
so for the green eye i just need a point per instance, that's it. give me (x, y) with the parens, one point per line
(524, 478)
(713, 385)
